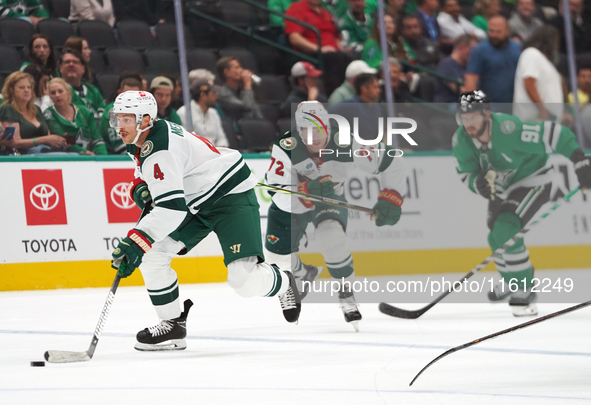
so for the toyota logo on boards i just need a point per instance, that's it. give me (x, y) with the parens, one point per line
(120, 196)
(44, 197)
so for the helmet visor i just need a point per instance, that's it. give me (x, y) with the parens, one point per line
(121, 120)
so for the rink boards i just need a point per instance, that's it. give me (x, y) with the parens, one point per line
(63, 216)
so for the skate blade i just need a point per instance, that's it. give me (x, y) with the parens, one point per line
(355, 325)
(174, 344)
(524, 310)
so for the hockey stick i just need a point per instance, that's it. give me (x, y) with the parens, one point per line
(408, 314)
(316, 198)
(494, 335)
(59, 356)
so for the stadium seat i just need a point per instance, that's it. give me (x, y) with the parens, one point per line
(236, 13)
(166, 36)
(108, 83)
(272, 90)
(16, 32)
(284, 125)
(10, 60)
(97, 61)
(60, 8)
(162, 61)
(56, 30)
(135, 34)
(201, 59)
(121, 59)
(99, 34)
(244, 56)
(270, 112)
(259, 135)
(233, 142)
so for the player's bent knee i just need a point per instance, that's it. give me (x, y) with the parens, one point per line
(330, 236)
(507, 225)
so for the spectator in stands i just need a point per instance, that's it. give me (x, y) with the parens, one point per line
(100, 10)
(420, 48)
(454, 67)
(484, 10)
(19, 110)
(41, 77)
(28, 10)
(365, 105)
(75, 123)
(367, 89)
(538, 85)
(129, 81)
(372, 52)
(425, 15)
(280, 6)
(492, 64)
(355, 27)
(81, 45)
(346, 90)
(162, 88)
(583, 86)
(200, 74)
(454, 25)
(149, 11)
(305, 79)
(581, 26)
(177, 94)
(397, 9)
(522, 22)
(305, 40)
(206, 120)
(40, 52)
(400, 89)
(236, 98)
(72, 68)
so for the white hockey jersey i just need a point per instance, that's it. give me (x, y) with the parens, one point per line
(291, 164)
(185, 172)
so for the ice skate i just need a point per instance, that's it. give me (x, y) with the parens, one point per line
(500, 291)
(167, 335)
(307, 273)
(291, 302)
(349, 307)
(522, 303)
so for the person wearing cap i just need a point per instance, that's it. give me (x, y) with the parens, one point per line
(206, 120)
(305, 79)
(162, 88)
(346, 91)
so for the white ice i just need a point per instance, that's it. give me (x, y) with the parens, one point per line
(243, 352)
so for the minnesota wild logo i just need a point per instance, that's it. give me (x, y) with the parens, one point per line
(147, 148)
(288, 143)
(272, 239)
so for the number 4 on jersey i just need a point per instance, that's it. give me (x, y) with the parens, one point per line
(158, 173)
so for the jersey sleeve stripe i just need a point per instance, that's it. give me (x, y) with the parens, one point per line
(229, 180)
(169, 194)
(177, 204)
(546, 136)
(555, 136)
(165, 289)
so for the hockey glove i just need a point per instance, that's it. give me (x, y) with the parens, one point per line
(130, 251)
(322, 186)
(387, 209)
(485, 184)
(582, 167)
(139, 192)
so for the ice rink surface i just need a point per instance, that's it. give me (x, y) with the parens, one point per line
(243, 352)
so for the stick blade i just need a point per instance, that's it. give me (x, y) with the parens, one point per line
(399, 312)
(57, 356)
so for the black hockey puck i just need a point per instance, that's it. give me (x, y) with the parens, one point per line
(37, 364)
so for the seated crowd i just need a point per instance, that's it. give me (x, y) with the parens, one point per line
(509, 49)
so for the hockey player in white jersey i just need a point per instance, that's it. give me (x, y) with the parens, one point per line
(194, 189)
(297, 165)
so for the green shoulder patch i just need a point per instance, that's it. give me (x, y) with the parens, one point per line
(507, 127)
(288, 143)
(147, 148)
(336, 141)
(454, 140)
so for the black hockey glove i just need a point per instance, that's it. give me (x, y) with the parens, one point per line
(582, 165)
(485, 184)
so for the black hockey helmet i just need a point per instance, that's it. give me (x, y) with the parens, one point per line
(472, 101)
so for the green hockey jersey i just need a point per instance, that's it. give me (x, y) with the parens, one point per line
(90, 98)
(22, 8)
(113, 142)
(82, 131)
(292, 163)
(517, 151)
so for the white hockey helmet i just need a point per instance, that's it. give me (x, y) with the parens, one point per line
(310, 114)
(139, 103)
